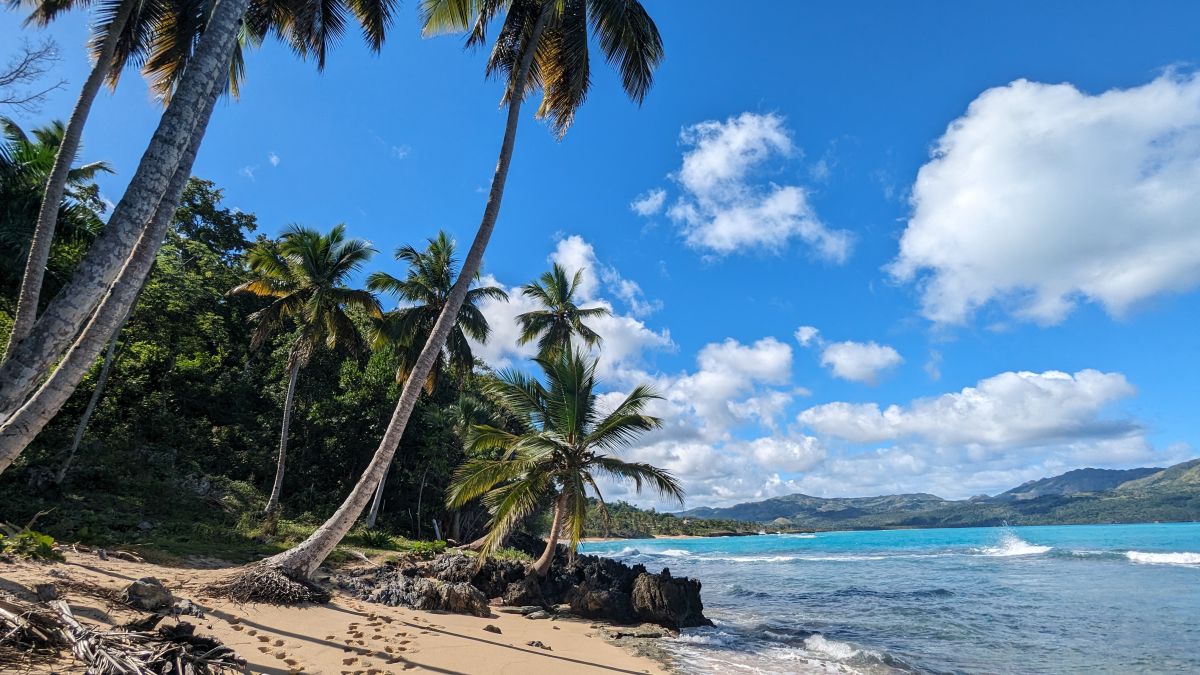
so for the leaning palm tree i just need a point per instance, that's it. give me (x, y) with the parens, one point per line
(567, 446)
(562, 318)
(206, 37)
(405, 330)
(304, 275)
(542, 44)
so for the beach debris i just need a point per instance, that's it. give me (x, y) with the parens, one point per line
(147, 593)
(492, 628)
(539, 644)
(50, 626)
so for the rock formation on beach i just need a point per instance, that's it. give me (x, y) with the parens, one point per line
(591, 586)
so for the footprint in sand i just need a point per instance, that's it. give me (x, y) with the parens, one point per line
(263, 638)
(251, 632)
(330, 637)
(264, 649)
(350, 661)
(278, 643)
(237, 627)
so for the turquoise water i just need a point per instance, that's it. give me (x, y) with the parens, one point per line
(1067, 599)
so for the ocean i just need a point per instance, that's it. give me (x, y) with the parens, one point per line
(1060, 599)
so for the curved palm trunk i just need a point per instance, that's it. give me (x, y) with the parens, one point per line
(542, 566)
(280, 464)
(47, 220)
(23, 425)
(52, 333)
(101, 381)
(306, 557)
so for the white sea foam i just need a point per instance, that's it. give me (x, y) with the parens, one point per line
(1183, 558)
(1012, 545)
(830, 648)
(673, 553)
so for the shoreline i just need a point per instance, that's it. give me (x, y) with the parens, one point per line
(345, 636)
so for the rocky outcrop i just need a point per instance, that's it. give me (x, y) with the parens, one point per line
(587, 586)
(392, 585)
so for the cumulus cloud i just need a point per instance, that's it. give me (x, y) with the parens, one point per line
(724, 206)
(649, 202)
(273, 158)
(858, 361)
(854, 361)
(1003, 411)
(1042, 196)
(574, 253)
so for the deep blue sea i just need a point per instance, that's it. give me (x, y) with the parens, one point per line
(1063, 599)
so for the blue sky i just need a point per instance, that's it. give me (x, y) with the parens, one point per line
(985, 212)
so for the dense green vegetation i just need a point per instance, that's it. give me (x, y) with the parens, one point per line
(627, 521)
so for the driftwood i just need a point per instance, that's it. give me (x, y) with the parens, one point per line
(51, 626)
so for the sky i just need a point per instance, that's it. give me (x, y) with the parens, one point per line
(859, 248)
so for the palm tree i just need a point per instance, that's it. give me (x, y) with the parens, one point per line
(542, 44)
(26, 159)
(567, 445)
(562, 318)
(164, 38)
(304, 274)
(405, 330)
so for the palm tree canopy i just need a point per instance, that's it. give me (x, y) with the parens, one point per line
(562, 318)
(622, 29)
(304, 275)
(423, 293)
(160, 35)
(566, 446)
(26, 160)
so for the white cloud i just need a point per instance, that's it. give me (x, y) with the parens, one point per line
(848, 360)
(806, 334)
(1042, 196)
(1008, 410)
(860, 362)
(787, 454)
(649, 202)
(724, 208)
(574, 253)
(248, 171)
(273, 158)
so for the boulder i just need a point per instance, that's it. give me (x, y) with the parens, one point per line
(491, 628)
(668, 601)
(148, 593)
(392, 586)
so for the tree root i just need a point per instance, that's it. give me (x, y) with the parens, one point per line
(269, 584)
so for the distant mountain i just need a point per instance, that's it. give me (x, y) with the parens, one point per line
(1181, 476)
(1077, 481)
(1076, 497)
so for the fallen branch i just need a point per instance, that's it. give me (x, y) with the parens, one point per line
(52, 626)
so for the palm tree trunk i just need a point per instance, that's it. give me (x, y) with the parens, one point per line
(288, 401)
(101, 381)
(23, 425)
(376, 503)
(31, 359)
(47, 220)
(305, 558)
(542, 566)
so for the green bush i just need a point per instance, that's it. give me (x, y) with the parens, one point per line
(424, 549)
(377, 539)
(31, 545)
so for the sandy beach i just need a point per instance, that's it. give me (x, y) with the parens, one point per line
(345, 637)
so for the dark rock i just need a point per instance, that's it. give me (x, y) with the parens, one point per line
(540, 614)
(393, 586)
(539, 644)
(527, 591)
(147, 593)
(492, 629)
(492, 577)
(667, 601)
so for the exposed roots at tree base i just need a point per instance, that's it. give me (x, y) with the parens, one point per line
(268, 584)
